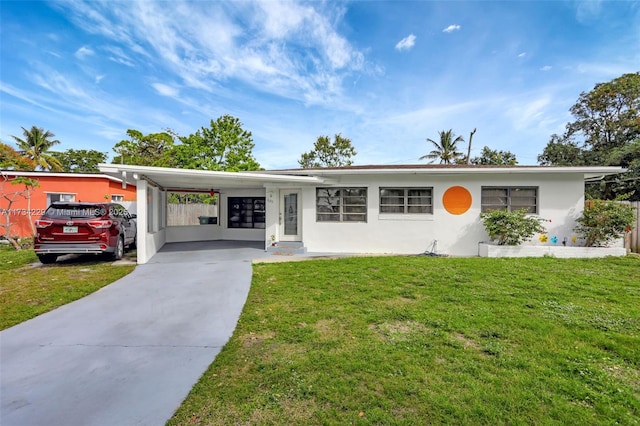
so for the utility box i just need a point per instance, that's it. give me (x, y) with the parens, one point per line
(208, 220)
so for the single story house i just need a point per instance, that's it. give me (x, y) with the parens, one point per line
(55, 187)
(402, 209)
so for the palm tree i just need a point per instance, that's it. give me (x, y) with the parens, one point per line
(36, 145)
(446, 149)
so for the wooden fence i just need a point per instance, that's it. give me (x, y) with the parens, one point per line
(632, 239)
(189, 214)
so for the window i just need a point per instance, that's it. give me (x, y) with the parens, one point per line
(510, 198)
(341, 204)
(54, 198)
(117, 198)
(246, 212)
(406, 200)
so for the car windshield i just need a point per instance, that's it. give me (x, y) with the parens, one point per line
(75, 211)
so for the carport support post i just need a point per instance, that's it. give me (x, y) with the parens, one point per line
(142, 219)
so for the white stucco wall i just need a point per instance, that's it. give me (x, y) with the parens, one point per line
(178, 234)
(272, 204)
(560, 199)
(149, 242)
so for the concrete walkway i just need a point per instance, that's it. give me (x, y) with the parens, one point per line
(129, 353)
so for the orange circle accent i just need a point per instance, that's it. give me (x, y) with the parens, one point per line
(456, 200)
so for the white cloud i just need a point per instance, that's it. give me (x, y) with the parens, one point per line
(526, 113)
(292, 50)
(588, 10)
(546, 68)
(119, 57)
(451, 28)
(406, 43)
(166, 90)
(83, 52)
(99, 78)
(522, 55)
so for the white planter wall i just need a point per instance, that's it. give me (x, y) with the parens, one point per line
(491, 250)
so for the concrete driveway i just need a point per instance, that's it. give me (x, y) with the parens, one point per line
(129, 353)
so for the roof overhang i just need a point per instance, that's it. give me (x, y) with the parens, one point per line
(59, 174)
(206, 180)
(171, 179)
(588, 173)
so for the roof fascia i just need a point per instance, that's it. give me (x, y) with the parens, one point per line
(586, 171)
(62, 175)
(135, 172)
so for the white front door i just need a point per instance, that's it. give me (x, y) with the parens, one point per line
(289, 218)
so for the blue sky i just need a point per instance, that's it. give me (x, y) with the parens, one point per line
(386, 74)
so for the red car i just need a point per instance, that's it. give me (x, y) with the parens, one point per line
(84, 228)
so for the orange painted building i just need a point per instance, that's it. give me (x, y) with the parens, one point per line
(22, 211)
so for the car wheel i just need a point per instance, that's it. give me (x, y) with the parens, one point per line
(119, 251)
(46, 259)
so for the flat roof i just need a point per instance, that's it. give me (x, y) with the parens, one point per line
(205, 180)
(201, 180)
(36, 174)
(588, 172)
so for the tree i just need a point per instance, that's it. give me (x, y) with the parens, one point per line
(608, 117)
(36, 145)
(604, 132)
(224, 146)
(561, 152)
(10, 194)
(154, 149)
(494, 157)
(626, 185)
(446, 149)
(329, 154)
(81, 160)
(10, 159)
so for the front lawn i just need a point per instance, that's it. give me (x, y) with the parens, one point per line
(27, 291)
(418, 340)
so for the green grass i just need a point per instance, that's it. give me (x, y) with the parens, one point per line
(11, 259)
(27, 291)
(417, 340)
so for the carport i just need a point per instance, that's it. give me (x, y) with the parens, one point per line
(276, 194)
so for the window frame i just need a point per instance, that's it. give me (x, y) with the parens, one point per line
(246, 212)
(509, 205)
(406, 197)
(342, 206)
(63, 197)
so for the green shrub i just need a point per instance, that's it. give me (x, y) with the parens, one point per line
(511, 227)
(604, 221)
